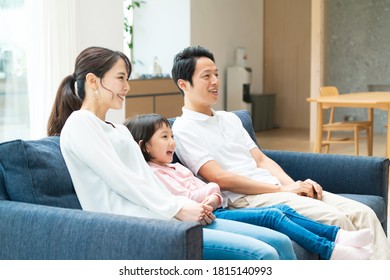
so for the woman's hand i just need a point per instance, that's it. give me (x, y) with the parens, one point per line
(208, 218)
(196, 212)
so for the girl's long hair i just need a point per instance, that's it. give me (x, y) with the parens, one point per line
(142, 127)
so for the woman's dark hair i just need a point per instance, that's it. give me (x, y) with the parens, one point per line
(184, 63)
(71, 92)
(142, 127)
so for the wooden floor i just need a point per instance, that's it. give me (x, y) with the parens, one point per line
(298, 140)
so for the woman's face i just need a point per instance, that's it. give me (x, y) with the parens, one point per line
(161, 146)
(113, 87)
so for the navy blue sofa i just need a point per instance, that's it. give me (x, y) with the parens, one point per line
(41, 217)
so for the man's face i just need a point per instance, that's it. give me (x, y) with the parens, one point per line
(205, 83)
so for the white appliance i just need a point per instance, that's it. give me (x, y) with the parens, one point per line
(238, 78)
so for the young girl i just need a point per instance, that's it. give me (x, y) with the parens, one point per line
(153, 134)
(110, 174)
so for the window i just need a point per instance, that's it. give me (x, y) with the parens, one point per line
(14, 110)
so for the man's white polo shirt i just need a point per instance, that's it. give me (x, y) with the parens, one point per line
(201, 138)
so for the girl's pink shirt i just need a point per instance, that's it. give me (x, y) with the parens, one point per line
(179, 180)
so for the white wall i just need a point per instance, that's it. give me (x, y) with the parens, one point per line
(100, 24)
(161, 29)
(223, 25)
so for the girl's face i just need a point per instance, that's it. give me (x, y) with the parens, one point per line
(161, 146)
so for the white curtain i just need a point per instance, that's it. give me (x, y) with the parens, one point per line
(51, 54)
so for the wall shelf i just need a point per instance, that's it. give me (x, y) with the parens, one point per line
(159, 96)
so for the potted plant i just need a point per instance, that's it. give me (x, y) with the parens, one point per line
(129, 24)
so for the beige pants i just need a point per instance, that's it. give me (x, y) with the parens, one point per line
(332, 209)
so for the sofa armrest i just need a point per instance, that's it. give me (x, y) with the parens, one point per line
(337, 173)
(29, 231)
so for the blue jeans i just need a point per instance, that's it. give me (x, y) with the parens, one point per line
(231, 240)
(311, 235)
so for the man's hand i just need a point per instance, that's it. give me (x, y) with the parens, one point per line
(307, 188)
(317, 188)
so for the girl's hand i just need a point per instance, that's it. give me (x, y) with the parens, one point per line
(212, 200)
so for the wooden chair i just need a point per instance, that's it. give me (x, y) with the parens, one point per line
(355, 126)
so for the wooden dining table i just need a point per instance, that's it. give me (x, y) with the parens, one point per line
(370, 100)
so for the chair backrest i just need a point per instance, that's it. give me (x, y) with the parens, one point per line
(329, 91)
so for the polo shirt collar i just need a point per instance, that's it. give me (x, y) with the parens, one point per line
(196, 115)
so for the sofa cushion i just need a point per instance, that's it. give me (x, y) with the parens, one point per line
(375, 202)
(246, 120)
(3, 191)
(35, 172)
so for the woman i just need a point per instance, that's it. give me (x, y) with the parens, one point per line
(108, 170)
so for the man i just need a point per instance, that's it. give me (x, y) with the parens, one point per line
(216, 147)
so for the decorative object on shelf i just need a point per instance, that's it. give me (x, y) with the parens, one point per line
(155, 69)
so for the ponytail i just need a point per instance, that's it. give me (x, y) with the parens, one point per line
(65, 103)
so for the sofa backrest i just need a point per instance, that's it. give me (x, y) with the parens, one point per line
(246, 120)
(34, 171)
